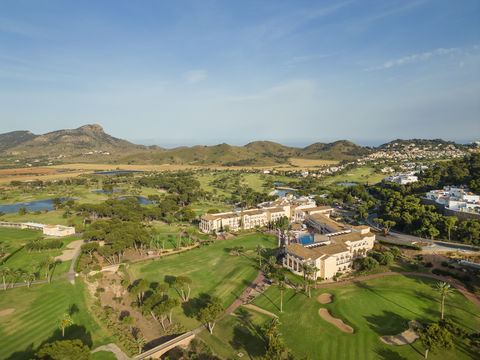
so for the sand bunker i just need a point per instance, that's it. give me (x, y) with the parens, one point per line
(407, 337)
(325, 298)
(70, 253)
(6, 312)
(325, 315)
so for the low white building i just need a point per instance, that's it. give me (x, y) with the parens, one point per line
(456, 198)
(58, 230)
(402, 179)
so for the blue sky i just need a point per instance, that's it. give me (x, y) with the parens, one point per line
(205, 72)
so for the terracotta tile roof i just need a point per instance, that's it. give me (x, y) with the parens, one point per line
(327, 221)
(353, 236)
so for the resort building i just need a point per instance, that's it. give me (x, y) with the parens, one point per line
(334, 249)
(266, 213)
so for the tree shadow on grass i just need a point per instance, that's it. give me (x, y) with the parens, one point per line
(388, 354)
(71, 333)
(270, 300)
(369, 288)
(388, 323)
(193, 306)
(247, 335)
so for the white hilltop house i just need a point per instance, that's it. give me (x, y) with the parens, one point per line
(456, 198)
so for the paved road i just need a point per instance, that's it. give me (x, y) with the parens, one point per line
(474, 299)
(405, 239)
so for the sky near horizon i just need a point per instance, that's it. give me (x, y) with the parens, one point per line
(205, 72)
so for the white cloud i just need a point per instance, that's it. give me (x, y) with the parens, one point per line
(414, 58)
(195, 76)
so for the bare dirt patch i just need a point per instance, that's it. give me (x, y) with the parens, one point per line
(407, 337)
(71, 250)
(325, 298)
(6, 312)
(325, 315)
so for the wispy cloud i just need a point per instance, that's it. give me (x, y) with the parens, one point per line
(414, 58)
(195, 76)
(289, 89)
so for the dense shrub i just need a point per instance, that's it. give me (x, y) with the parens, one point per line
(44, 245)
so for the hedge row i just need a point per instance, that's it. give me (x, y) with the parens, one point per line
(44, 245)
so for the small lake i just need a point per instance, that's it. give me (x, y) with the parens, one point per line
(142, 200)
(38, 205)
(101, 191)
(277, 183)
(115, 172)
(346, 183)
(283, 193)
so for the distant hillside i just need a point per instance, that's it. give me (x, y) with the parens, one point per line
(423, 143)
(338, 150)
(14, 138)
(86, 140)
(255, 153)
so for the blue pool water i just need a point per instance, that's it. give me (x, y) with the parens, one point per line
(30, 206)
(306, 239)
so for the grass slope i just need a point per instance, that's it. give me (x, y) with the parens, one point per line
(37, 311)
(373, 308)
(213, 270)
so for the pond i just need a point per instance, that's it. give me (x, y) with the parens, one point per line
(101, 191)
(115, 172)
(346, 183)
(38, 205)
(278, 183)
(142, 200)
(283, 193)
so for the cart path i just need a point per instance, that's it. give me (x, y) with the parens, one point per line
(456, 285)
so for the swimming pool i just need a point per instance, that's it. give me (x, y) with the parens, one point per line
(306, 239)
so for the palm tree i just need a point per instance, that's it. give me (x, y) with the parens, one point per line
(64, 322)
(272, 260)
(444, 289)
(29, 277)
(281, 287)
(14, 275)
(140, 341)
(260, 249)
(47, 263)
(5, 273)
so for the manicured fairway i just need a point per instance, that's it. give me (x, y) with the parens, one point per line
(360, 175)
(37, 311)
(12, 239)
(238, 333)
(31, 261)
(373, 308)
(213, 270)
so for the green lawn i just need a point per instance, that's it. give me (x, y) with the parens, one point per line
(37, 311)
(12, 239)
(214, 271)
(104, 355)
(54, 217)
(30, 261)
(239, 333)
(360, 175)
(373, 308)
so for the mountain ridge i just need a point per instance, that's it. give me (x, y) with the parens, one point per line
(90, 143)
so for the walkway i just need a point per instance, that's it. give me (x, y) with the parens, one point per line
(119, 354)
(456, 285)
